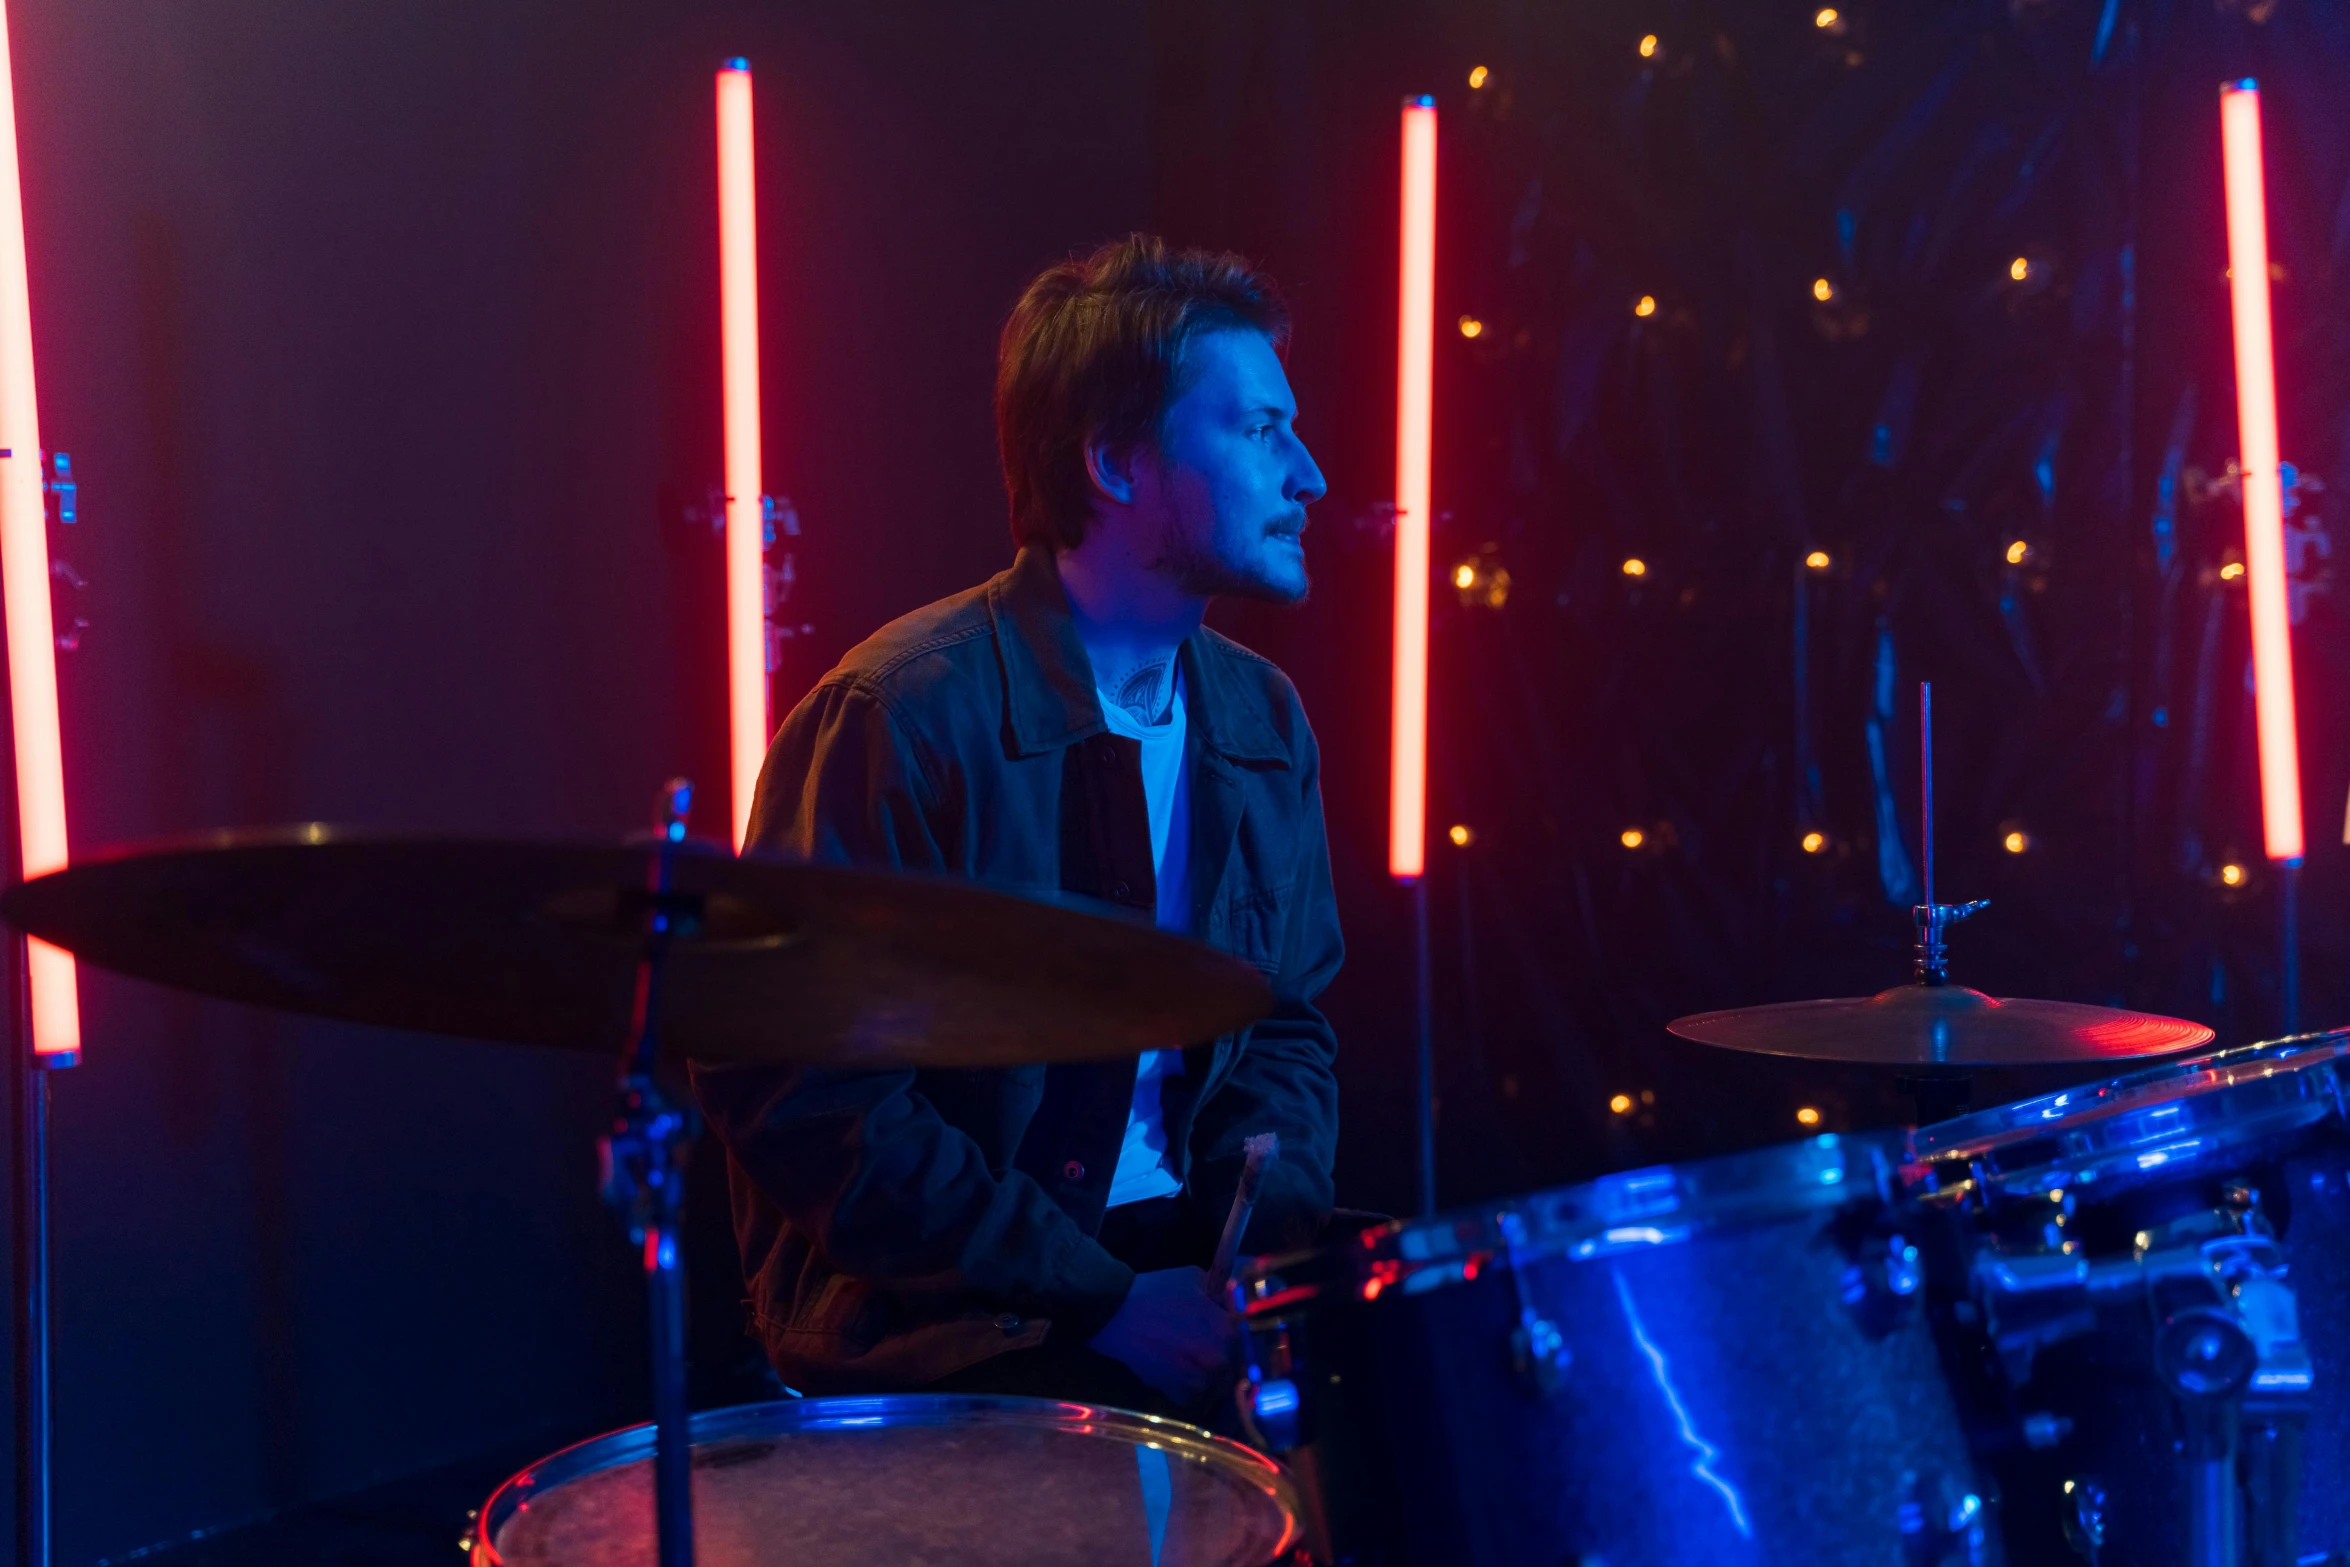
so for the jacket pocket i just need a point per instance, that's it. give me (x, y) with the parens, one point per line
(1251, 925)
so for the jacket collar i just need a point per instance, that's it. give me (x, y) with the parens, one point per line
(1049, 701)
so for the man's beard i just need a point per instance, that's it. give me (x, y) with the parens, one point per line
(1197, 569)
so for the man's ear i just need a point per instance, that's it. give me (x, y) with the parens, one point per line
(1111, 468)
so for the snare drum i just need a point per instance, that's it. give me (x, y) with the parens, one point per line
(1721, 1362)
(2153, 1276)
(907, 1480)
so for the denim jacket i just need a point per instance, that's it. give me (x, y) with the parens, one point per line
(898, 1226)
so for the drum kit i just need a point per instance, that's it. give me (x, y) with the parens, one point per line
(2109, 1325)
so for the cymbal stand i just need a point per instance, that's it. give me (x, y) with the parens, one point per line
(644, 1183)
(1938, 1093)
(29, 1079)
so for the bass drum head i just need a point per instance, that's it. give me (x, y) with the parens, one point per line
(907, 1479)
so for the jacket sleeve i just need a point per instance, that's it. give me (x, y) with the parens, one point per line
(860, 1162)
(1283, 1080)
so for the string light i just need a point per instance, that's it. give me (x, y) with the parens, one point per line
(1635, 567)
(1621, 1104)
(1827, 17)
(1822, 290)
(1807, 1116)
(1471, 326)
(1648, 47)
(2017, 551)
(2016, 842)
(2231, 571)
(1477, 76)
(1646, 307)
(1632, 837)
(1461, 836)
(1814, 842)
(2020, 268)
(1817, 560)
(2231, 875)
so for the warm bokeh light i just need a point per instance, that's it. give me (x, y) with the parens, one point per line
(1635, 567)
(1407, 810)
(1817, 560)
(1632, 837)
(2231, 571)
(2020, 268)
(1471, 326)
(2017, 551)
(1807, 1116)
(2257, 459)
(1621, 1104)
(1826, 17)
(1464, 575)
(2016, 842)
(1814, 842)
(1646, 307)
(1477, 77)
(746, 522)
(1648, 47)
(2232, 875)
(24, 595)
(1822, 290)
(1461, 836)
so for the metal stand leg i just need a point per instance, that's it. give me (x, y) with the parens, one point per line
(2289, 975)
(33, 1432)
(644, 1182)
(1427, 1047)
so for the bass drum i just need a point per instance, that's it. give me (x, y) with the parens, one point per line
(907, 1481)
(1721, 1362)
(2150, 1290)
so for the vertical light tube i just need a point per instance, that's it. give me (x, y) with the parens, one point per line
(1407, 817)
(24, 595)
(2264, 502)
(738, 312)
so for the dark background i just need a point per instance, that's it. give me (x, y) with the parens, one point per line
(383, 337)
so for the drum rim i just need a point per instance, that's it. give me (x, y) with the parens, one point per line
(631, 1444)
(2089, 1120)
(1602, 1217)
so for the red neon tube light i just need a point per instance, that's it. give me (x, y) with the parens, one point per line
(24, 594)
(738, 314)
(1407, 813)
(2264, 501)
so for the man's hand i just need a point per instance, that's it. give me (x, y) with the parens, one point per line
(1172, 1333)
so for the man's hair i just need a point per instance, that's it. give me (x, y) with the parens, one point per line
(1094, 351)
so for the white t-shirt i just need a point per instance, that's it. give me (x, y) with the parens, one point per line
(1166, 788)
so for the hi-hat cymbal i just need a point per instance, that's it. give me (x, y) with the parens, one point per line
(538, 944)
(1942, 1025)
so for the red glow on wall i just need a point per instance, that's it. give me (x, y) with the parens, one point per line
(2264, 501)
(1407, 818)
(24, 593)
(738, 308)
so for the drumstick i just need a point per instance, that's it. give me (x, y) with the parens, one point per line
(1261, 1150)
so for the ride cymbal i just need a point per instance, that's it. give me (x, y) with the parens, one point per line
(538, 943)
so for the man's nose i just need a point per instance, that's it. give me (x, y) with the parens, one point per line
(1306, 484)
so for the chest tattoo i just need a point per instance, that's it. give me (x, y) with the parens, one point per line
(1147, 692)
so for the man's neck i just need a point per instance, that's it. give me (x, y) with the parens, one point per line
(1131, 620)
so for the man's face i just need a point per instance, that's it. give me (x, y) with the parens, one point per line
(1234, 480)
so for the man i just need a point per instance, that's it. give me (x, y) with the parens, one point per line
(1069, 726)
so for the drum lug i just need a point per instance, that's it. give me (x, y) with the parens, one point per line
(1942, 1523)
(1538, 1350)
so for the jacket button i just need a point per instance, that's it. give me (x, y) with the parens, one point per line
(1072, 1171)
(1122, 891)
(1007, 1323)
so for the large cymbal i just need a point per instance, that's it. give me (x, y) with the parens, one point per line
(536, 944)
(1942, 1025)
